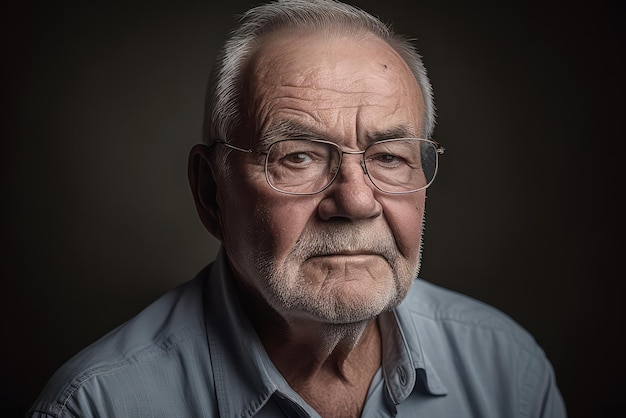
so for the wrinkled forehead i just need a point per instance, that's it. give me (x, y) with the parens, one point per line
(322, 78)
(301, 43)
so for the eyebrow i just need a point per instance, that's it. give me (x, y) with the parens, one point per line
(287, 129)
(399, 131)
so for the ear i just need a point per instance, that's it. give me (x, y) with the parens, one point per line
(204, 189)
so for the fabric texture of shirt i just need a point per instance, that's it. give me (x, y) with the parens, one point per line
(193, 353)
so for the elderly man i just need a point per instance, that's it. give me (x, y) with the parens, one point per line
(313, 177)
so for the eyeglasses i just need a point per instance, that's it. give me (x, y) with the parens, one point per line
(309, 166)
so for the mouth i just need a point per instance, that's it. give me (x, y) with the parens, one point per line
(352, 254)
(349, 245)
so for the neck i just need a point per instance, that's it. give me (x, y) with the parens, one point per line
(306, 350)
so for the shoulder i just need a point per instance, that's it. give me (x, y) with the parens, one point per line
(134, 355)
(483, 358)
(456, 314)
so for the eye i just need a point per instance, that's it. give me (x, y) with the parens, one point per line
(387, 160)
(298, 154)
(300, 157)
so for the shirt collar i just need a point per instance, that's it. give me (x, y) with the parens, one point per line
(405, 364)
(245, 378)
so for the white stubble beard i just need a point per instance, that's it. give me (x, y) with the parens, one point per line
(289, 292)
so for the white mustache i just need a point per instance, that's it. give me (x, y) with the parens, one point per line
(345, 238)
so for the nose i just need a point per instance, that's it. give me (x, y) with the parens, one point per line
(352, 195)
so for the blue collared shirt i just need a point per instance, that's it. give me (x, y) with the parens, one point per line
(193, 353)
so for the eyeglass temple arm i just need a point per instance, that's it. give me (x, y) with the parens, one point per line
(226, 144)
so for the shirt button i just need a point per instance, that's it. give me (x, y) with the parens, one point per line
(401, 375)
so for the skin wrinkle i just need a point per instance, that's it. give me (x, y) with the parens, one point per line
(287, 129)
(263, 71)
(327, 90)
(318, 95)
(317, 119)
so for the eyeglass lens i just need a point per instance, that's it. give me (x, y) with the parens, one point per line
(308, 167)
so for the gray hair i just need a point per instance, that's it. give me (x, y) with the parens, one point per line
(223, 112)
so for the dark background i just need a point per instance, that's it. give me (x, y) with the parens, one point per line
(103, 100)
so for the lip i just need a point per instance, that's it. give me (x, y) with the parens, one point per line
(348, 254)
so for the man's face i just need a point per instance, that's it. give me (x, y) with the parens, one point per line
(351, 251)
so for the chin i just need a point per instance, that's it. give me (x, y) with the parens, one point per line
(336, 294)
(348, 306)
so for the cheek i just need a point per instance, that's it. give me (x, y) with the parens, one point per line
(285, 218)
(405, 220)
(241, 218)
(264, 222)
